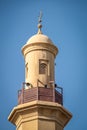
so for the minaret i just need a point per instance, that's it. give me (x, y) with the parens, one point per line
(40, 104)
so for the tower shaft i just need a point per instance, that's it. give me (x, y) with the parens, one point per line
(40, 115)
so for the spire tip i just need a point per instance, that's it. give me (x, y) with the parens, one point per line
(39, 23)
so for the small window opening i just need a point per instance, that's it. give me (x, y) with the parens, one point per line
(42, 68)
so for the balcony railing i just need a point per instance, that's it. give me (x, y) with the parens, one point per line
(40, 93)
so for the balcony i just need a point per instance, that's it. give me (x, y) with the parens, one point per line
(40, 93)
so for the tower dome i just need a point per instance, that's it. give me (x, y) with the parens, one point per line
(39, 41)
(39, 38)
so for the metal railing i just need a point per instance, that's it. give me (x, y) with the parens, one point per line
(40, 93)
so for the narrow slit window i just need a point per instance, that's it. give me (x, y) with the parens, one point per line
(26, 70)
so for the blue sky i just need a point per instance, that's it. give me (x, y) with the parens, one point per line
(65, 22)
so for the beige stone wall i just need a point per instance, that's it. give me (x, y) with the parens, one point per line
(40, 125)
(58, 127)
(39, 115)
(30, 125)
(46, 125)
(32, 65)
(20, 127)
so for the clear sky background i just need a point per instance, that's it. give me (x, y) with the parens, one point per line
(65, 22)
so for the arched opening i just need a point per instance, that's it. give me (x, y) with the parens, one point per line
(43, 68)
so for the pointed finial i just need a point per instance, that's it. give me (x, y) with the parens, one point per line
(39, 23)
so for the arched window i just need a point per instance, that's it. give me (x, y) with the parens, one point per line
(42, 68)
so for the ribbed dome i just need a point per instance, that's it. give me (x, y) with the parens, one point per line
(39, 38)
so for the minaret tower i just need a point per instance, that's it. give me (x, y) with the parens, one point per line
(40, 104)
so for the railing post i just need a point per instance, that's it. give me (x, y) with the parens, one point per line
(62, 95)
(37, 93)
(53, 94)
(22, 95)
